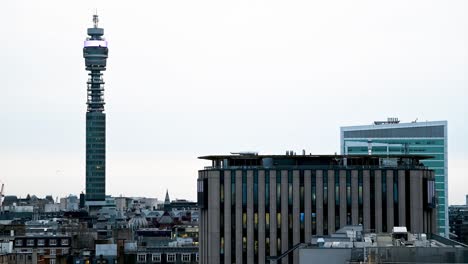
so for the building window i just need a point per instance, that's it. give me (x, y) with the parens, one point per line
(52, 252)
(30, 242)
(65, 251)
(156, 257)
(52, 261)
(185, 257)
(52, 242)
(40, 242)
(141, 257)
(19, 243)
(64, 242)
(171, 258)
(197, 257)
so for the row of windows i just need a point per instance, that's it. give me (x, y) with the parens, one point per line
(96, 151)
(95, 117)
(95, 161)
(170, 257)
(41, 242)
(95, 157)
(91, 134)
(96, 123)
(96, 139)
(95, 179)
(94, 128)
(96, 146)
(429, 150)
(405, 141)
(96, 185)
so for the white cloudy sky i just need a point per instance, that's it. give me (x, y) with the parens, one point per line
(192, 78)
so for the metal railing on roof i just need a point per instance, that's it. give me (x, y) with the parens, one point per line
(325, 167)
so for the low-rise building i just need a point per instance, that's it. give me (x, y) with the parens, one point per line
(351, 245)
(50, 249)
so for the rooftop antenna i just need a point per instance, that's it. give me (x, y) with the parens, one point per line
(95, 19)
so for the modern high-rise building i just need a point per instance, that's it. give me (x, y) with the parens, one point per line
(257, 206)
(95, 53)
(417, 138)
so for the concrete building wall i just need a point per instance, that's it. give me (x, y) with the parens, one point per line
(273, 212)
(319, 191)
(227, 217)
(390, 209)
(295, 213)
(284, 214)
(378, 199)
(366, 200)
(354, 198)
(331, 201)
(343, 199)
(211, 245)
(307, 205)
(261, 216)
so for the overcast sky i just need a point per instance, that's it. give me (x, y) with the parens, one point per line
(193, 78)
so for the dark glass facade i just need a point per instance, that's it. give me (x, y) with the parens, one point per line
(95, 156)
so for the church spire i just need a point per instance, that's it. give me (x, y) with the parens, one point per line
(167, 200)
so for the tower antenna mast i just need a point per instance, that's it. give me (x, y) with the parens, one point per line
(95, 19)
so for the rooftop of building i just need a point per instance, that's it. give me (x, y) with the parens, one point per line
(294, 156)
(431, 127)
(291, 159)
(356, 237)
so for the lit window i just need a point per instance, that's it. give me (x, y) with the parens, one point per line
(40, 242)
(185, 257)
(141, 258)
(53, 242)
(156, 258)
(171, 258)
(64, 242)
(19, 243)
(30, 242)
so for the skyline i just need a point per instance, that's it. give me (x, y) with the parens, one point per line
(178, 85)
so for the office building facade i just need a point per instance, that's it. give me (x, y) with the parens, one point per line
(417, 138)
(95, 52)
(257, 206)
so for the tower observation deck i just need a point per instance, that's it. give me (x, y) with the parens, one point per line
(95, 52)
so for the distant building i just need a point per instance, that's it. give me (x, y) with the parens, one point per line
(69, 203)
(458, 219)
(157, 246)
(252, 206)
(394, 138)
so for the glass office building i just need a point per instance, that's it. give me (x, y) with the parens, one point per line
(417, 138)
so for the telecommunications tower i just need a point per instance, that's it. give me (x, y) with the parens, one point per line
(95, 53)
